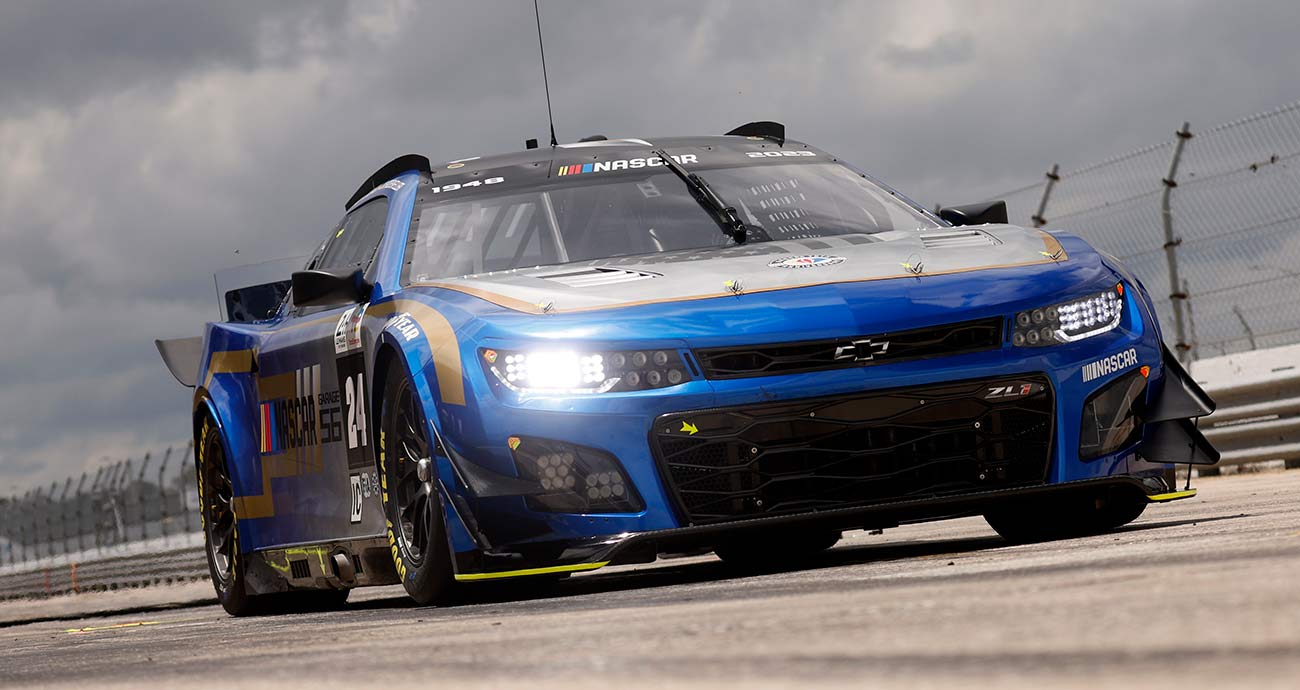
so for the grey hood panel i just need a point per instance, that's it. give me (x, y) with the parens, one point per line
(758, 267)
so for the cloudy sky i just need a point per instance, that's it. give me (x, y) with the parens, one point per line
(145, 144)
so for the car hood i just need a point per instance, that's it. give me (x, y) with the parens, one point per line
(758, 267)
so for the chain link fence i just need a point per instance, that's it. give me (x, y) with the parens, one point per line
(151, 499)
(1218, 210)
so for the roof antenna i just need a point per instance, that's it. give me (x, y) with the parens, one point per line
(542, 47)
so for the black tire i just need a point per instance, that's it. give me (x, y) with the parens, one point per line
(220, 524)
(775, 550)
(412, 508)
(1066, 516)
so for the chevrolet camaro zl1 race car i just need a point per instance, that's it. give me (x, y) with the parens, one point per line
(549, 361)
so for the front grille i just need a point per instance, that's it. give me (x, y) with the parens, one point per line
(841, 353)
(826, 453)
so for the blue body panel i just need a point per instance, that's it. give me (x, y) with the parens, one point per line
(304, 501)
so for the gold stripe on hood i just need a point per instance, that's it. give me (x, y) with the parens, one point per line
(1052, 252)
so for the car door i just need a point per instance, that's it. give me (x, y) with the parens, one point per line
(316, 460)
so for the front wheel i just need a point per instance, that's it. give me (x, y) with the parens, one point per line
(412, 509)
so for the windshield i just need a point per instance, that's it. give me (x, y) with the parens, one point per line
(621, 215)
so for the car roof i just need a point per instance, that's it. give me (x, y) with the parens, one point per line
(540, 163)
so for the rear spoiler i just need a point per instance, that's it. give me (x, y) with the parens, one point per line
(182, 357)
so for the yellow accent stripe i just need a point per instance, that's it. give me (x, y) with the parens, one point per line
(119, 626)
(228, 362)
(442, 344)
(470, 577)
(1171, 496)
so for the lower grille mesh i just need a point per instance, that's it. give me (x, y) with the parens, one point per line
(827, 453)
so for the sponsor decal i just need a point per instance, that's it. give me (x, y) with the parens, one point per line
(454, 166)
(456, 186)
(689, 429)
(490, 356)
(778, 154)
(347, 334)
(1109, 365)
(811, 261)
(354, 516)
(404, 324)
(625, 164)
(392, 184)
(863, 350)
(514, 442)
(309, 418)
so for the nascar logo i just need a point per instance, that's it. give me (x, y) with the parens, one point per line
(289, 423)
(1109, 365)
(812, 261)
(626, 164)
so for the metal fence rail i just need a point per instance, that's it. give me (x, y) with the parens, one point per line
(94, 516)
(1209, 220)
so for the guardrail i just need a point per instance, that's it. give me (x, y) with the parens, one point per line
(142, 565)
(1258, 394)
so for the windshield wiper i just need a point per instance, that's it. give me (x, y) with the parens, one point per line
(726, 216)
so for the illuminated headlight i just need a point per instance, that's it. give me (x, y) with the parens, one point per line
(1070, 321)
(569, 372)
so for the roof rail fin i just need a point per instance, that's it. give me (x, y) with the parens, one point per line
(395, 167)
(763, 128)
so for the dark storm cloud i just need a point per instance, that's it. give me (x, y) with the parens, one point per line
(62, 53)
(145, 145)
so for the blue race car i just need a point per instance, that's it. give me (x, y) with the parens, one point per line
(549, 361)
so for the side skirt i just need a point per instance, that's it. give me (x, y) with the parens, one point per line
(324, 565)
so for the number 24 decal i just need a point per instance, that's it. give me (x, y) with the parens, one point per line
(355, 390)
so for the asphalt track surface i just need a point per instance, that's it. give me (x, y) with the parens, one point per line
(1201, 593)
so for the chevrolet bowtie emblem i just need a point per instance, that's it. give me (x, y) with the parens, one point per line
(863, 350)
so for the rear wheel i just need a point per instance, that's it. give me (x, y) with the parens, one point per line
(412, 509)
(1068, 516)
(774, 550)
(220, 524)
(226, 563)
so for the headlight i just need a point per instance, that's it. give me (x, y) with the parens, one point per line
(1070, 321)
(572, 372)
(573, 479)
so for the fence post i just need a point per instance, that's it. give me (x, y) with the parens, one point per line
(1176, 294)
(139, 499)
(7, 511)
(94, 508)
(118, 500)
(191, 512)
(81, 515)
(1053, 176)
(162, 502)
(36, 522)
(23, 534)
(63, 516)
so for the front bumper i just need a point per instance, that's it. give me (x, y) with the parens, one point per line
(495, 534)
(644, 547)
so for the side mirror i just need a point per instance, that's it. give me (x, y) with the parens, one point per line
(976, 214)
(324, 288)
